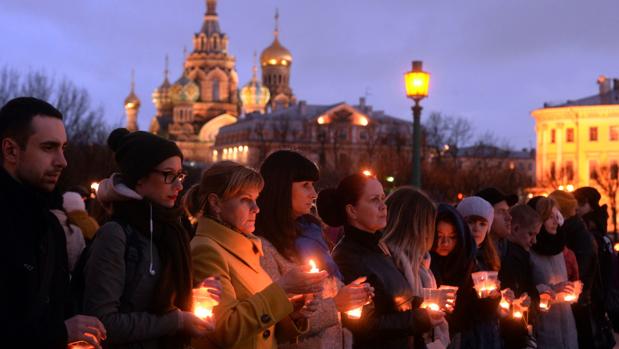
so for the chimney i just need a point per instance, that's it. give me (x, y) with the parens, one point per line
(604, 85)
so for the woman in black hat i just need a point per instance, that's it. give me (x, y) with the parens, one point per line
(138, 277)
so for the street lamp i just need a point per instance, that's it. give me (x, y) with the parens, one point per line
(417, 83)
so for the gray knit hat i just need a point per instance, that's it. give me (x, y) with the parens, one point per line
(476, 206)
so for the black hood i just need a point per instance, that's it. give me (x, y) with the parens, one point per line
(454, 268)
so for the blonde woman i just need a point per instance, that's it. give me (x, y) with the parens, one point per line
(253, 309)
(409, 236)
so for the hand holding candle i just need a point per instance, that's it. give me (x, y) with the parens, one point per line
(486, 283)
(352, 297)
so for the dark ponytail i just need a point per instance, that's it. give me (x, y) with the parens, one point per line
(331, 203)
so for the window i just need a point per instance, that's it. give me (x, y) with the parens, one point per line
(593, 134)
(553, 136)
(215, 90)
(569, 135)
(614, 133)
(553, 172)
(593, 168)
(569, 170)
(614, 170)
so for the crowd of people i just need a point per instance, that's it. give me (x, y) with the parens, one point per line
(282, 265)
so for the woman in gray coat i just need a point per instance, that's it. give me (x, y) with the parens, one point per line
(138, 278)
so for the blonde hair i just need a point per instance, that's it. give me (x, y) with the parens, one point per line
(409, 234)
(225, 179)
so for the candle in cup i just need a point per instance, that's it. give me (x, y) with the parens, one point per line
(504, 303)
(203, 303)
(517, 314)
(431, 306)
(569, 297)
(314, 268)
(355, 313)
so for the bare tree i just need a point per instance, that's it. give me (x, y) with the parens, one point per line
(606, 177)
(446, 134)
(87, 156)
(84, 124)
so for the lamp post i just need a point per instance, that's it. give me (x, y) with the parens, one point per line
(417, 83)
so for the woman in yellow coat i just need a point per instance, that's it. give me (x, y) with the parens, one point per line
(254, 311)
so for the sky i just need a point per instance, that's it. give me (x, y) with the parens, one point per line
(491, 61)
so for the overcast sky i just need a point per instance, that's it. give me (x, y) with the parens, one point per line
(492, 61)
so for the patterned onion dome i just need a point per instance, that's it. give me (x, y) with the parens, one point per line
(161, 95)
(254, 95)
(184, 90)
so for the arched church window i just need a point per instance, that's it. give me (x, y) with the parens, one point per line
(216, 90)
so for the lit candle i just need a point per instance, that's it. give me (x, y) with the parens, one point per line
(517, 314)
(431, 306)
(314, 268)
(355, 313)
(203, 303)
(504, 303)
(569, 297)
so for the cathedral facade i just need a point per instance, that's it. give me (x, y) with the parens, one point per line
(211, 118)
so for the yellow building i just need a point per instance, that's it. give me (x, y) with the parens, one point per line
(578, 140)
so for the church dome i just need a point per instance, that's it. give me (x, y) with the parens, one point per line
(132, 101)
(276, 54)
(184, 90)
(254, 95)
(161, 95)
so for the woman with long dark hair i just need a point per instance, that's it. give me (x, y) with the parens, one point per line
(292, 236)
(138, 276)
(394, 316)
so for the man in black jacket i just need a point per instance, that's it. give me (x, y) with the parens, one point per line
(34, 291)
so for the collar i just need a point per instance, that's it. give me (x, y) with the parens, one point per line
(366, 239)
(246, 247)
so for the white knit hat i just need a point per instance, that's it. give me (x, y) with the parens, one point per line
(476, 206)
(72, 201)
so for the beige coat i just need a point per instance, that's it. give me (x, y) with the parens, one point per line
(326, 331)
(251, 304)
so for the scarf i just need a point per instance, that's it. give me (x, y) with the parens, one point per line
(550, 244)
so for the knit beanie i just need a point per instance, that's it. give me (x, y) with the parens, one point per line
(138, 153)
(588, 195)
(72, 201)
(566, 201)
(476, 206)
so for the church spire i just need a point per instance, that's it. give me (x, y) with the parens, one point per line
(276, 31)
(211, 7)
(132, 106)
(166, 71)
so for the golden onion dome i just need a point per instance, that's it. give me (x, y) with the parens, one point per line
(132, 101)
(254, 96)
(276, 54)
(161, 95)
(184, 90)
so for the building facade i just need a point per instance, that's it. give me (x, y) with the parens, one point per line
(578, 142)
(206, 113)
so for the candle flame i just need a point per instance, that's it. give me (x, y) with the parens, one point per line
(517, 314)
(203, 312)
(504, 304)
(354, 313)
(569, 297)
(314, 268)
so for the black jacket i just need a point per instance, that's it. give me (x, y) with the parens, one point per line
(33, 269)
(393, 318)
(516, 274)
